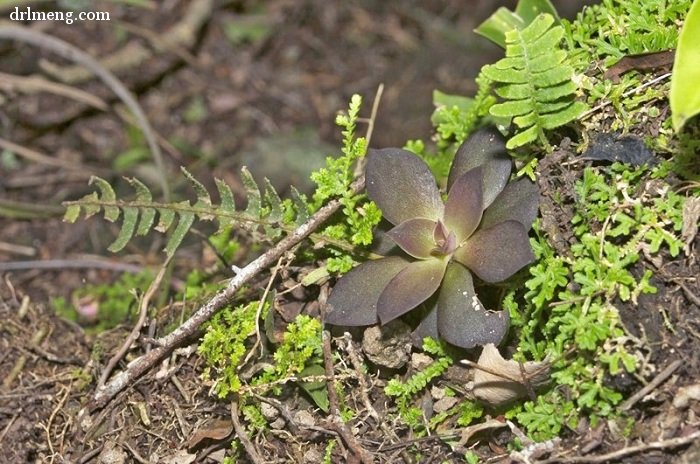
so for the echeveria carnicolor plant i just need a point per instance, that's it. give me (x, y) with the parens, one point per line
(481, 228)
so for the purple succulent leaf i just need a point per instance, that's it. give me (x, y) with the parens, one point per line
(463, 207)
(461, 318)
(411, 287)
(496, 253)
(353, 301)
(485, 147)
(402, 185)
(415, 237)
(519, 201)
(426, 328)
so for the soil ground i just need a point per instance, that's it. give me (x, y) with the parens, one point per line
(218, 99)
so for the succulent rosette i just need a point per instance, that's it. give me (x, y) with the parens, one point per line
(481, 228)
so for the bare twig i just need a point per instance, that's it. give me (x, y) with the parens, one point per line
(70, 52)
(334, 423)
(32, 84)
(243, 436)
(60, 264)
(626, 94)
(621, 453)
(218, 301)
(143, 311)
(658, 380)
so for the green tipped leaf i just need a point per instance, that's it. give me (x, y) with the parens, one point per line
(131, 215)
(300, 205)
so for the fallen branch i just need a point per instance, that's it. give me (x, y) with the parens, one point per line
(218, 301)
(629, 450)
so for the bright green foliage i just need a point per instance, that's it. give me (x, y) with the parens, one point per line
(138, 215)
(615, 28)
(328, 455)
(534, 81)
(571, 300)
(223, 346)
(300, 347)
(359, 215)
(503, 20)
(116, 303)
(685, 94)
(456, 117)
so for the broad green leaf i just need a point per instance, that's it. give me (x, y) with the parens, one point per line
(552, 76)
(508, 76)
(183, 226)
(444, 99)
(685, 92)
(505, 20)
(131, 215)
(316, 390)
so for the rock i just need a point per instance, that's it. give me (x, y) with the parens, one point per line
(304, 418)
(389, 345)
(420, 360)
(268, 411)
(444, 404)
(685, 394)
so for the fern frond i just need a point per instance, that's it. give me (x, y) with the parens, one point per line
(138, 216)
(534, 80)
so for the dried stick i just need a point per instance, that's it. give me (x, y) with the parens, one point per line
(334, 423)
(70, 52)
(218, 301)
(658, 380)
(621, 453)
(143, 311)
(243, 436)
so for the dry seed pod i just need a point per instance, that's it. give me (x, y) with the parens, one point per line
(496, 390)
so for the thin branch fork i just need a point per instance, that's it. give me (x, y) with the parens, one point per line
(167, 343)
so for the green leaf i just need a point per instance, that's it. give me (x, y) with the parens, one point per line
(183, 226)
(317, 390)
(131, 215)
(252, 193)
(72, 213)
(685, 92)
(199, 189)
(107, 195)
(148, 215)
(505, 20)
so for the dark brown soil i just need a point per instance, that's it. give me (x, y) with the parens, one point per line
(216, 105)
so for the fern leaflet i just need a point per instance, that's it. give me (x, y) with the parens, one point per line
(138, 216)
(534, 80)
